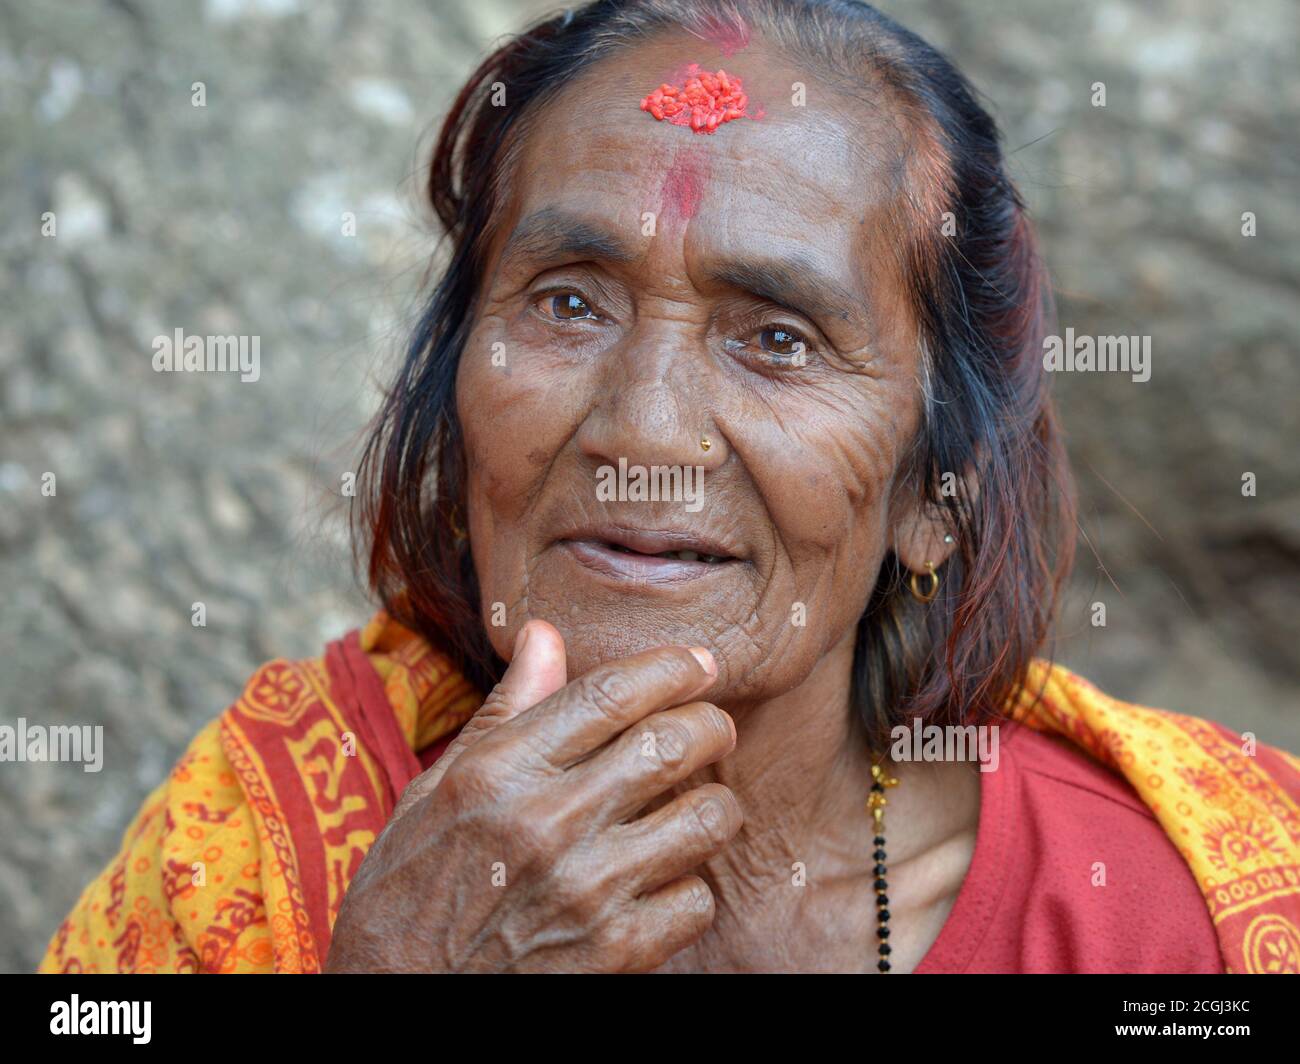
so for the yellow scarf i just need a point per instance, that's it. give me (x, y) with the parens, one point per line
(239, 861)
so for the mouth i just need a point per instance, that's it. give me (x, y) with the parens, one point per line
(674, 555)
(651, 556)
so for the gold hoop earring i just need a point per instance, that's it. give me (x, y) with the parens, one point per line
(453, 516)
(934, 585)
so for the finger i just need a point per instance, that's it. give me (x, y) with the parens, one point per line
(537, 669)
(668, 920)
(678, 837)
(661, 750)
(601, 704)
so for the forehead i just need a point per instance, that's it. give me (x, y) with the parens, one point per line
(815, 170)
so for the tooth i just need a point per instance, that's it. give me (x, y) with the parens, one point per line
(688, 556)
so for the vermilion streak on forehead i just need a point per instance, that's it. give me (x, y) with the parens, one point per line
(728, 36)
(682, 190)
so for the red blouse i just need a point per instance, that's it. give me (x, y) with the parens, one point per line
(1028, 903)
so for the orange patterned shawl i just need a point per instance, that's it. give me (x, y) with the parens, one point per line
(239, 861)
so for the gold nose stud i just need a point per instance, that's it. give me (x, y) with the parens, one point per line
(705, 443)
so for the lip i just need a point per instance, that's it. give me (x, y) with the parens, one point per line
(656, 541)
(593, 548)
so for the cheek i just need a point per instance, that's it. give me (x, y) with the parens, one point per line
(515, 417)
(826, 471)
(825, 467)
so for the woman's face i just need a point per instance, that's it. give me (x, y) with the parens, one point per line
(647, 289)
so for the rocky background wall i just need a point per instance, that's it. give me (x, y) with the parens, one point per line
(174, 489)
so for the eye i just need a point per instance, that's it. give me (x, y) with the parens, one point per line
(774, 347)
(782, 342)
(568, 306)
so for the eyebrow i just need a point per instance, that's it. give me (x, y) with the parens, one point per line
(794, 282)
(552, 233)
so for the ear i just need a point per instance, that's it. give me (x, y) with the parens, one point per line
(919, 538)
(922, 534)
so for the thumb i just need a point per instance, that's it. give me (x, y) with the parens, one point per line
(537, 670)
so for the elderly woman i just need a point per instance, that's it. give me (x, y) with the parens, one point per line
(722, 458)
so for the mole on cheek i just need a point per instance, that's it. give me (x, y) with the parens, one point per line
(704, 103)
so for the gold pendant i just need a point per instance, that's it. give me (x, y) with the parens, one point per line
(876, 800)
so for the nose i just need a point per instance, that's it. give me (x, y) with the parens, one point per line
(655, 406)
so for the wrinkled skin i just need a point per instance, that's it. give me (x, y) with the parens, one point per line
(613, 852)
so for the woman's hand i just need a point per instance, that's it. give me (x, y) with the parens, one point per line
(515, 851)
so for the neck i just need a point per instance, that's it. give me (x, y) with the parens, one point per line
(801, 771)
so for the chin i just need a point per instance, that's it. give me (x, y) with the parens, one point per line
(596, 640)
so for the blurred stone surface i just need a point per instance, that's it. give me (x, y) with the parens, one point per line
(175, 489)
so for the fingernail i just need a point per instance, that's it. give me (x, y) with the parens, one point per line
(521, 640)
(705, 659)
(731, 723)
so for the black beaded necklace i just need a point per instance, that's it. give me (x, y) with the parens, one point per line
(876, 802)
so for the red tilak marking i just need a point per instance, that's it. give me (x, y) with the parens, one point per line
(683, 186)
(704, 103)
